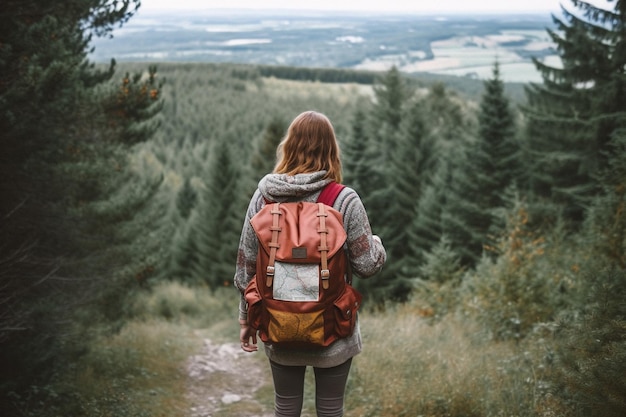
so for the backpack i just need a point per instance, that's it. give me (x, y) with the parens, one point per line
(301, 295)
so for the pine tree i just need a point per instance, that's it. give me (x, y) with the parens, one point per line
(425, 230)
(592, 350)
(405, 179)
(446, 118)
(605, 224)
(185, 253)
(448, 130)
(65, 180)
(498, 152)
(357, 167)
(463, 219)
(186, 199)
(391, 95)
(133, 105)
(485, 171)
(389, 166)
(218, 224)
(572, 115)
(264, 157)
(441, 264)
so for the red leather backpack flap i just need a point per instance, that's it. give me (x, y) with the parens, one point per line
(299, 223)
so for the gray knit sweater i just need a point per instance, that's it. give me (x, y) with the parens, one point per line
(367, 256)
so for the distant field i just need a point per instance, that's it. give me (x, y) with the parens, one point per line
(453, 45)
(473, 56)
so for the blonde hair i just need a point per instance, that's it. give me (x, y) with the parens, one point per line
(309, 146)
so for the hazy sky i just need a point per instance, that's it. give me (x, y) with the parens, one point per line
(438, 6)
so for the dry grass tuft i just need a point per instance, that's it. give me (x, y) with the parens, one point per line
(411, 367)
(136, 372)
(140, 370)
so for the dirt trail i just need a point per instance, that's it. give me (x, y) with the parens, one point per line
(223, 381)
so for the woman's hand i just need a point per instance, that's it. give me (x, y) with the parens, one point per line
(247, 337)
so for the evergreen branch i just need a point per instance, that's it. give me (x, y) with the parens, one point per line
(597, 14)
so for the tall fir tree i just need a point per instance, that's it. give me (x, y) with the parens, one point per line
(498, 149)
(445, 115)
(390, 162)
(264, 157)
(357, 167)
(461, 216)
(218, 224)
(73, 213)
(186, 199)
(425, 229)
(572, 115)
(407, 169)
(184, 254)
(391, 95)
(485, 170)
(448, 129)
(605, 222)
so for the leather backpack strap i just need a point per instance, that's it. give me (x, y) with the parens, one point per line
(323, 247)
(329, 193)
(328, 196)
(275, 228)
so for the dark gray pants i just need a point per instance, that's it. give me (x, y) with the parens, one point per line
(330, 387)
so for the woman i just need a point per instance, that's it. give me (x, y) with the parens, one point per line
(308, 159)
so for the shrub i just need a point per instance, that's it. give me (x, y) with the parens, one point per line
(175, 301)
(528, 283)
(591, 354)
(435, 292)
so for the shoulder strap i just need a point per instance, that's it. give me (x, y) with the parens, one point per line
(275, 228)
(329, 193)
(323, 248)
(328, 196)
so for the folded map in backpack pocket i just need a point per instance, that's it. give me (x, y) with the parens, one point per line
(296, 282)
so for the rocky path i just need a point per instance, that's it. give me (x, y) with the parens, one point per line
(223, 381)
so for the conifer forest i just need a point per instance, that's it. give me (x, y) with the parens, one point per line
(502, 209)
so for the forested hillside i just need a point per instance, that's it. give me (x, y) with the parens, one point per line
(117, 181)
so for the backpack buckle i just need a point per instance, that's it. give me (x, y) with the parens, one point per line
(325, 274)
(269, 275)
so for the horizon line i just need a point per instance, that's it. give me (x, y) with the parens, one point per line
(345, 11)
